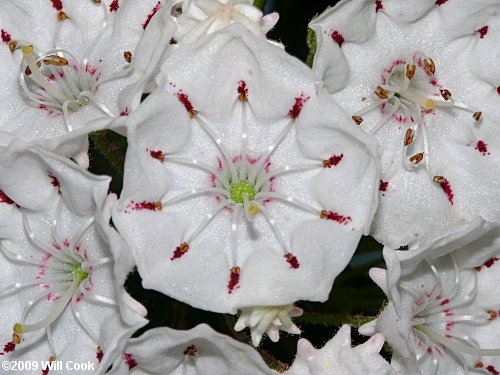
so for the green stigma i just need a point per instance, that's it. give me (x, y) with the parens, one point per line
(18, 328)
(79, 273)
(240, 188)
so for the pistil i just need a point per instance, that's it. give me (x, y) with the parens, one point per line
(79, 275)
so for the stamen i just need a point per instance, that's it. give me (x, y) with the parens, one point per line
(445, 94)
(408, 137)
(12, 46)
(194, 193)
(381, 93)
(56, 60)
(357, 119)
(492, 314)
(38, 77)
(234, 234)
(205, 223)
(288, 199)
(477, 116)
(272, 224)
(410, 71)
(270, 149)
(454, 345)
(430, 66)
(438, 179)
(417, 158)
(56, 311)
(127, 55)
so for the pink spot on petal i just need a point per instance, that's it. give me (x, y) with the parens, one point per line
(191, 351)
(338, 38)
(498, 90)
(56, 246)
(57, 4)
(242, 90)
(330, 215)
(139, 206)
(124, 112)
(234, 279)
(490, 262)
(180, 251)
(333, 160)
(113, 7)
(129, 361)
(5, 36)
(378, 5)
(444, 302)
(482, 31)
(482, 148)
(492, 370)
(445, 185)
(383, 185)
(9, 347)
(441, 2)
(55, 182)
(297, 107)
(150, 15)
(66, 243)
(5, 199)
(184, 99)
(99, 354)
(157, 155)
(292, 260)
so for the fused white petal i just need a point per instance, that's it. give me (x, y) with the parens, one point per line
(442, 317)
(66, 63)
(245, 186)
(199, 351)
(60, 292)
(337, 357)
(420, 76)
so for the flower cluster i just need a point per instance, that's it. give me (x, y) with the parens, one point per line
(249, 179)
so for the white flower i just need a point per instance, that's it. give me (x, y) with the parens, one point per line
(67, 63)
(441, 318)
(422, 76)
(337, 357)
(199, 351)
(202, 17)
(269, 320)
(61, 296)
(244, 185)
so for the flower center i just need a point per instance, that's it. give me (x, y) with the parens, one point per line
(79, 273)
(78, 276)
(57, 84)
(241, 188)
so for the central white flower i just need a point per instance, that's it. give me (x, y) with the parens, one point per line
(246, 203)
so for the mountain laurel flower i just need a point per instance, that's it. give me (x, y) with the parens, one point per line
(65, 64)
(337, 357)
(199, 351)
(269, 320)
(202, 17)
(244, 187)
(423, 78)
(59, 295)
(443, 317)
